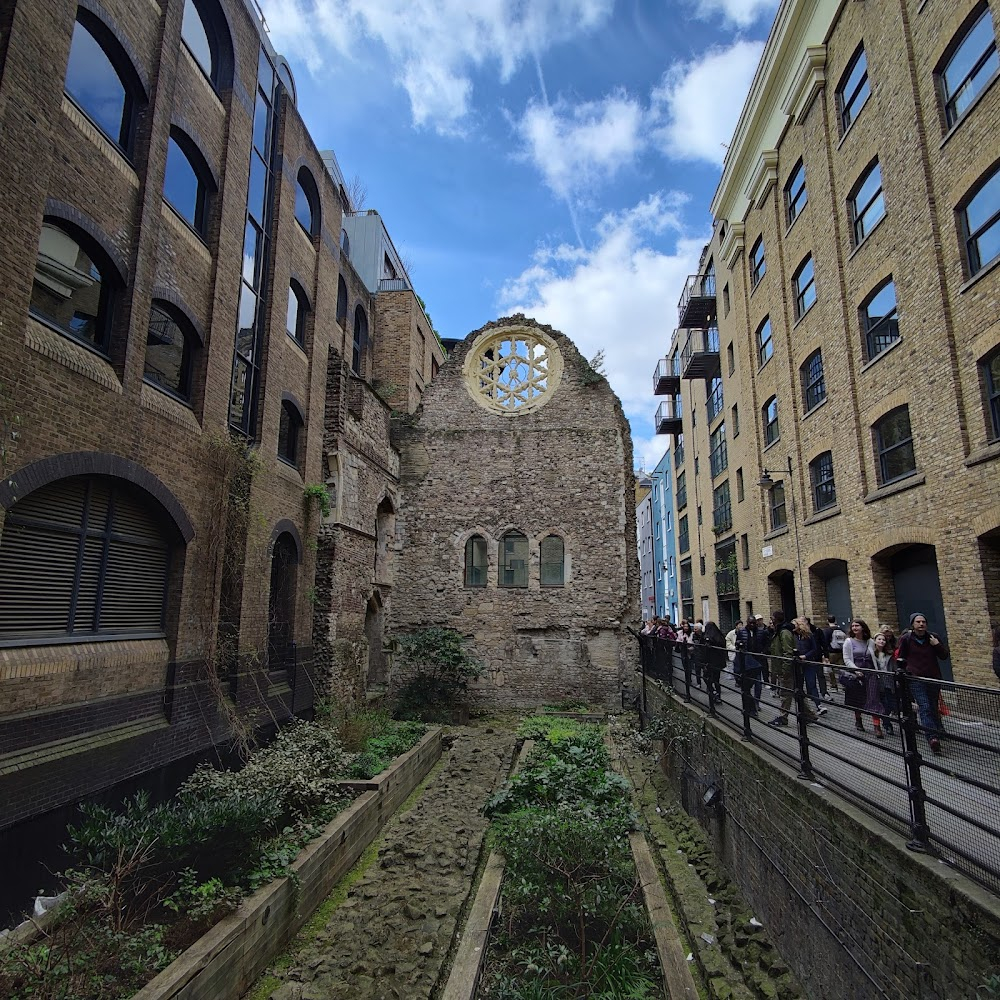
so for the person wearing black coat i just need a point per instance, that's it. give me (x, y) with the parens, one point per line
(715, 658)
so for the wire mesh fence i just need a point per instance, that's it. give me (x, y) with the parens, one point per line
(920, 755)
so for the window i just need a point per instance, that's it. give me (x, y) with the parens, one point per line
(879, 319)
(853, 90)
(894, 446)
(813, 383)
(714, 402)
(682, 491)
(72, 290)
(795, 192)
(779, 519)
(731, 358)
(758, 266)
(341, 301)
(821, 477)
(699, 514)
(295, 318)
(980, 217)
(169, 350)
(735, 420)
(475, 562)
(804, 287)
(281, 604)
(722, 508)
(85, 556)
(186, 183)
(307, 202)
(197, 33)
(683, 536)
(770, 413)
(745, 550)
(739, 486)
(345, 244)
(765, 345)
(719, 455)
(513, 560)
(991, 378)
(289, 431)
(866, 204)
(102, 82)
(725, 299)
(360, 341)
(551, 561)
(970, 68)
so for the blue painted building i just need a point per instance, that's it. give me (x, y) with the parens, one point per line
(667, 586)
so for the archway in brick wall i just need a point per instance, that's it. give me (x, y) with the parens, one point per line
(378, 666)
(830, 590)
(781, 593)
(989, 555)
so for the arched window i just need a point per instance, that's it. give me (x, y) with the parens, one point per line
(880, 319)
(205, 33)
(990, 368)
(866, 204)
(813, 380)
(552, 562)
(769, 413)
(765, 342)
(169, 351)
(85, 557)
(73, 287)
(513, 560)
(980, 220)
(290, 426)
(101, 80)
(307, 202)
(345, 243)
(360, 341)
(971, 65)
(298, 309)
(187, 181)
(894, 446)
(475, 561)
(853, 90)
(804, 287)
(341, 301)
(281, 604)
(821, 477)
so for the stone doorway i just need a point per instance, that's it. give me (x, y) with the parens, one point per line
(378, 664)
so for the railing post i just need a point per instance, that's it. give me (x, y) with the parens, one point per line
(746, 692)
(919, 831)
(670, 647)
(708, 683)
(643, 660)
(686, 663)
(805, 767)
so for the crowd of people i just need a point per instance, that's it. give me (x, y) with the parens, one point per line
(832, 660)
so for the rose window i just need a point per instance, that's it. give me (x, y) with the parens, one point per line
(514, 370)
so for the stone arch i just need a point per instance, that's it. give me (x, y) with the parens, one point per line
(378, 664)
(385, 535)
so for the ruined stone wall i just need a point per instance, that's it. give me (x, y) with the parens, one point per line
(562, 467)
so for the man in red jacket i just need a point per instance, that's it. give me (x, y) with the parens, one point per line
(920, 652)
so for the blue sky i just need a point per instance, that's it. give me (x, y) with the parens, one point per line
(555, 157)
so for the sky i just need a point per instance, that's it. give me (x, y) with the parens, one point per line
(551, 157)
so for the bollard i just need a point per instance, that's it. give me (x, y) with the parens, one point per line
(919, 831)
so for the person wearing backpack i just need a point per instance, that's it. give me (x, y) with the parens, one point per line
(783, 655)
(833, 640)
(919, 653)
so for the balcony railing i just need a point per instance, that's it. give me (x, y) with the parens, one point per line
(697, 304)
(700, 355)
(667, 377)
(683, 542)
(668, 416)
(687, 589)
(727, 580)
(393, 284)
(722, 518)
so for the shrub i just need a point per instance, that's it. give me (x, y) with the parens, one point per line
(379, 751)
(443, 667)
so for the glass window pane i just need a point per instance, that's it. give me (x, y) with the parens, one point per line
(985, 204)
(95, 85)
(882, 304)
(894, 429)
(181, 186)
(898, 462)
(258, 188)
(514, 561)
(245, 330)
(292, 315)
(551, 561)
(261, 121)
(265, 73)
(475, 562)
(303, 209)
(251, 250)
(965, 75)
(195, 36)
(166, 354)
(238, 411)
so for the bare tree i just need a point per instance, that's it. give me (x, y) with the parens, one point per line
(357, 193)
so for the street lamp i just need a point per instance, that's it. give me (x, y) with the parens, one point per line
(767, 483)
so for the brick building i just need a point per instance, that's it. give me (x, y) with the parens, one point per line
(842, 333)
(516, 523)
(185, 348)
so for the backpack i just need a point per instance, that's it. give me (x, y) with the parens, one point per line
(837, 639)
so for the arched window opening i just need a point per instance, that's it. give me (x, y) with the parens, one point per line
(72, 289)
(345, 243)
(196, 34)
(85, 557)
(385, 533)
(341, 301)
(513, 560)
(290, 426)
(281, 604)
(360, 341)
(307, 202)
(894, 446)
(476, 561)
(187, 182)
(980, 221)
(298, 309)
(169, 351)
(552, 572)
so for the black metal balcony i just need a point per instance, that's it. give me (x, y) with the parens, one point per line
(697, 304)
(668, 416)
(700, 356)
(727, 580)
(667, 378)
(687, 589)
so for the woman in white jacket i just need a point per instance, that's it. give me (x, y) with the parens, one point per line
(859, 656)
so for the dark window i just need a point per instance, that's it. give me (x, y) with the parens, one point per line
(281, 604)
(970, 68)
(345, 243)
(880, 320)
(765, 345)
(186, 184)
(866, 204)
(770, 413)
(980, 218)
(722, 508)
(739, 486)
(714, 403)
(894, 446)
(83, 557)
(551, 554)
(199, 37)
(683, 535)
(813, 382)
(821, 477)
(731, 358)
(341, 301)
(71, 290)
(736, 420)
(700, 519)
(725, 299)
(804, 287)
(719, 454)
(295, 319)
(289, 432)
(745, 550)
(169, 350)
(795, 192)
(101, 81)
(475, 561)
(513, 560)
(758, 266)
(854, 90)
(360, 341)
(682, 490)
(991, 376)
(306, 203)
(779, 518)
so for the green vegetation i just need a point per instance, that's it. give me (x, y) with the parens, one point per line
(319, 493)
(442, 667)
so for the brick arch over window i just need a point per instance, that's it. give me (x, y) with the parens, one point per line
(60, 211)
(190, 141)
(286, 527)
(216, 22)
(91, 463)
(165, 294)
(110, 30)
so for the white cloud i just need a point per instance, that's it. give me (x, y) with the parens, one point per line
(433, 45)
(739, 12)
(699, 102)
(619, 296)
(573, 146)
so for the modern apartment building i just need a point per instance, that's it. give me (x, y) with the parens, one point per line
(644, 542)
(834, 380)
(667, 595)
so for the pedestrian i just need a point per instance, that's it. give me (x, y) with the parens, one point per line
(820, 671)
(920, 652)
(766, 635)
(808, 656)
(885, 664)
(749, 666)
(715, 658)
(833, 641)
(731, 645)
(782, 659)
(698, 651)
(859, 656)
(890, 636)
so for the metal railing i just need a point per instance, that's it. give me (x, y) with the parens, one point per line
(920, 755)
(669, 411)
(393, 285)
(665, 368)
(698, 286)
(727, 581)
